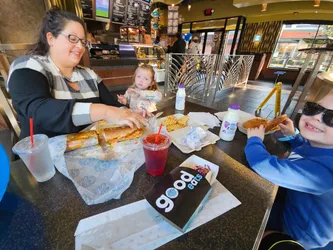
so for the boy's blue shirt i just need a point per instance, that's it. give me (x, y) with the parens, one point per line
(308, 174)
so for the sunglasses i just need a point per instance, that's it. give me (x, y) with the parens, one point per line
(75, 39)
(312, 108)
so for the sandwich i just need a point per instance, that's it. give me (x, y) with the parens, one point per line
(255, 123)
(81, 140)
(274, 124)
(269, 125)
(118, 134)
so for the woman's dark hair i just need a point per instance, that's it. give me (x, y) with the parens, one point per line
(54, 21)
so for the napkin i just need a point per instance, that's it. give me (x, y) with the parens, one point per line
(204, 118)
(194, 138)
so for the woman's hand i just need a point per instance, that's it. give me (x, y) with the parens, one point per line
(259, 132)
(124, 116)
(287, 127)
(122, 99)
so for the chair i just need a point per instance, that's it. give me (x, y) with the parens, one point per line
(6, 109)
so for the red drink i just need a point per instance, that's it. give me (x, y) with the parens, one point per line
(156, 152)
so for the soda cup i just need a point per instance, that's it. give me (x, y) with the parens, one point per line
(37, 158)
(156, 149)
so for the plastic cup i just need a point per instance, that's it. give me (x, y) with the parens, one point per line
(37, 159)
(156, 152)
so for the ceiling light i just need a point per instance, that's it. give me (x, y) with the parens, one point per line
(316, 3)
(189, 7)
(172, 5)
(264, 7)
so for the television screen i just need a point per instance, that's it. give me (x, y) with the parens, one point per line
(102, 8)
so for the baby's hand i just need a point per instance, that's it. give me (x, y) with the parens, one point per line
(259, 132)
(132, 92)
(122, 99)
(287, 127)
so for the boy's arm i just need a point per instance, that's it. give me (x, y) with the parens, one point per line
(295, 140)
(301, 175)
(153, 95)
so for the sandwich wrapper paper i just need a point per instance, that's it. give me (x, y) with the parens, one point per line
(204, 118)
(139, 226)
(98, 176)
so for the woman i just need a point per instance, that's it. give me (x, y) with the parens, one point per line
(51, 88)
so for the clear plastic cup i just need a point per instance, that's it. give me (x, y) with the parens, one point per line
(37, 159)
(156, 152)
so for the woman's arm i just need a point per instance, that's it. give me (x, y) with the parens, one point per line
(31, 96)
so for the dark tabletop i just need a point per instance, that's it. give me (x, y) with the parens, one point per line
(45, 215)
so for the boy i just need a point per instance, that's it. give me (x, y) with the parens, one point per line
(307, 173)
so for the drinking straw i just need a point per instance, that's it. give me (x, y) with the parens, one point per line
(32, 161)
(158, 133)
(32, 132)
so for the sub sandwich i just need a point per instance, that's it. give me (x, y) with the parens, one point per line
(269, 125)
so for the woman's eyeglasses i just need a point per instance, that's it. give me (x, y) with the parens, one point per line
(75, 39)
(312, 108)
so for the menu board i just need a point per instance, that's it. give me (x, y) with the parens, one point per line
(119, 11)
(102, 8)
(132, 12)
(144, 14)
(87, 9)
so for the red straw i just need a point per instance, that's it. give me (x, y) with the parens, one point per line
(158, 133)
(32, 132)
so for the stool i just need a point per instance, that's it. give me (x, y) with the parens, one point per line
(278, 73)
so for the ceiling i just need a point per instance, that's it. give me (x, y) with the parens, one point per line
(247, 3)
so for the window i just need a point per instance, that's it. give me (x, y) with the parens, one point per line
(300, 36)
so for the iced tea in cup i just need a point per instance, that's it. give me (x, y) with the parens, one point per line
(156, 149)
(36, 157)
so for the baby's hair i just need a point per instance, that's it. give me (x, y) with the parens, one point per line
(151, 70)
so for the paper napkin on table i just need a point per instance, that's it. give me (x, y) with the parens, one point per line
(204, 118)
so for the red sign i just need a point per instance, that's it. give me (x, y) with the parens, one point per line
(208, 12)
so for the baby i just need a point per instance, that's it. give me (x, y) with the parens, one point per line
(144, 94)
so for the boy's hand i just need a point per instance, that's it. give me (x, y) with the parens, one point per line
(122, 99)
(287, 127)
(259, 132)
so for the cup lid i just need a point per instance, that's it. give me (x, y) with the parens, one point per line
(24, 146)
(149, 142)
(234, 106)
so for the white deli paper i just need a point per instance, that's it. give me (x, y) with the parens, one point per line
(98, 176)
(197, 141)
(139, 226)
(204, 118)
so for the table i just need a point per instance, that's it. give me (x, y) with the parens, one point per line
(45, 215)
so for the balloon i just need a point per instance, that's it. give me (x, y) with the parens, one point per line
(187, 37)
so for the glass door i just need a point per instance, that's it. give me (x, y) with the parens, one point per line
(213, 42)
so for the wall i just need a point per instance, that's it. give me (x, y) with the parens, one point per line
(269, 32)
(19, 20)
(275, 12)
